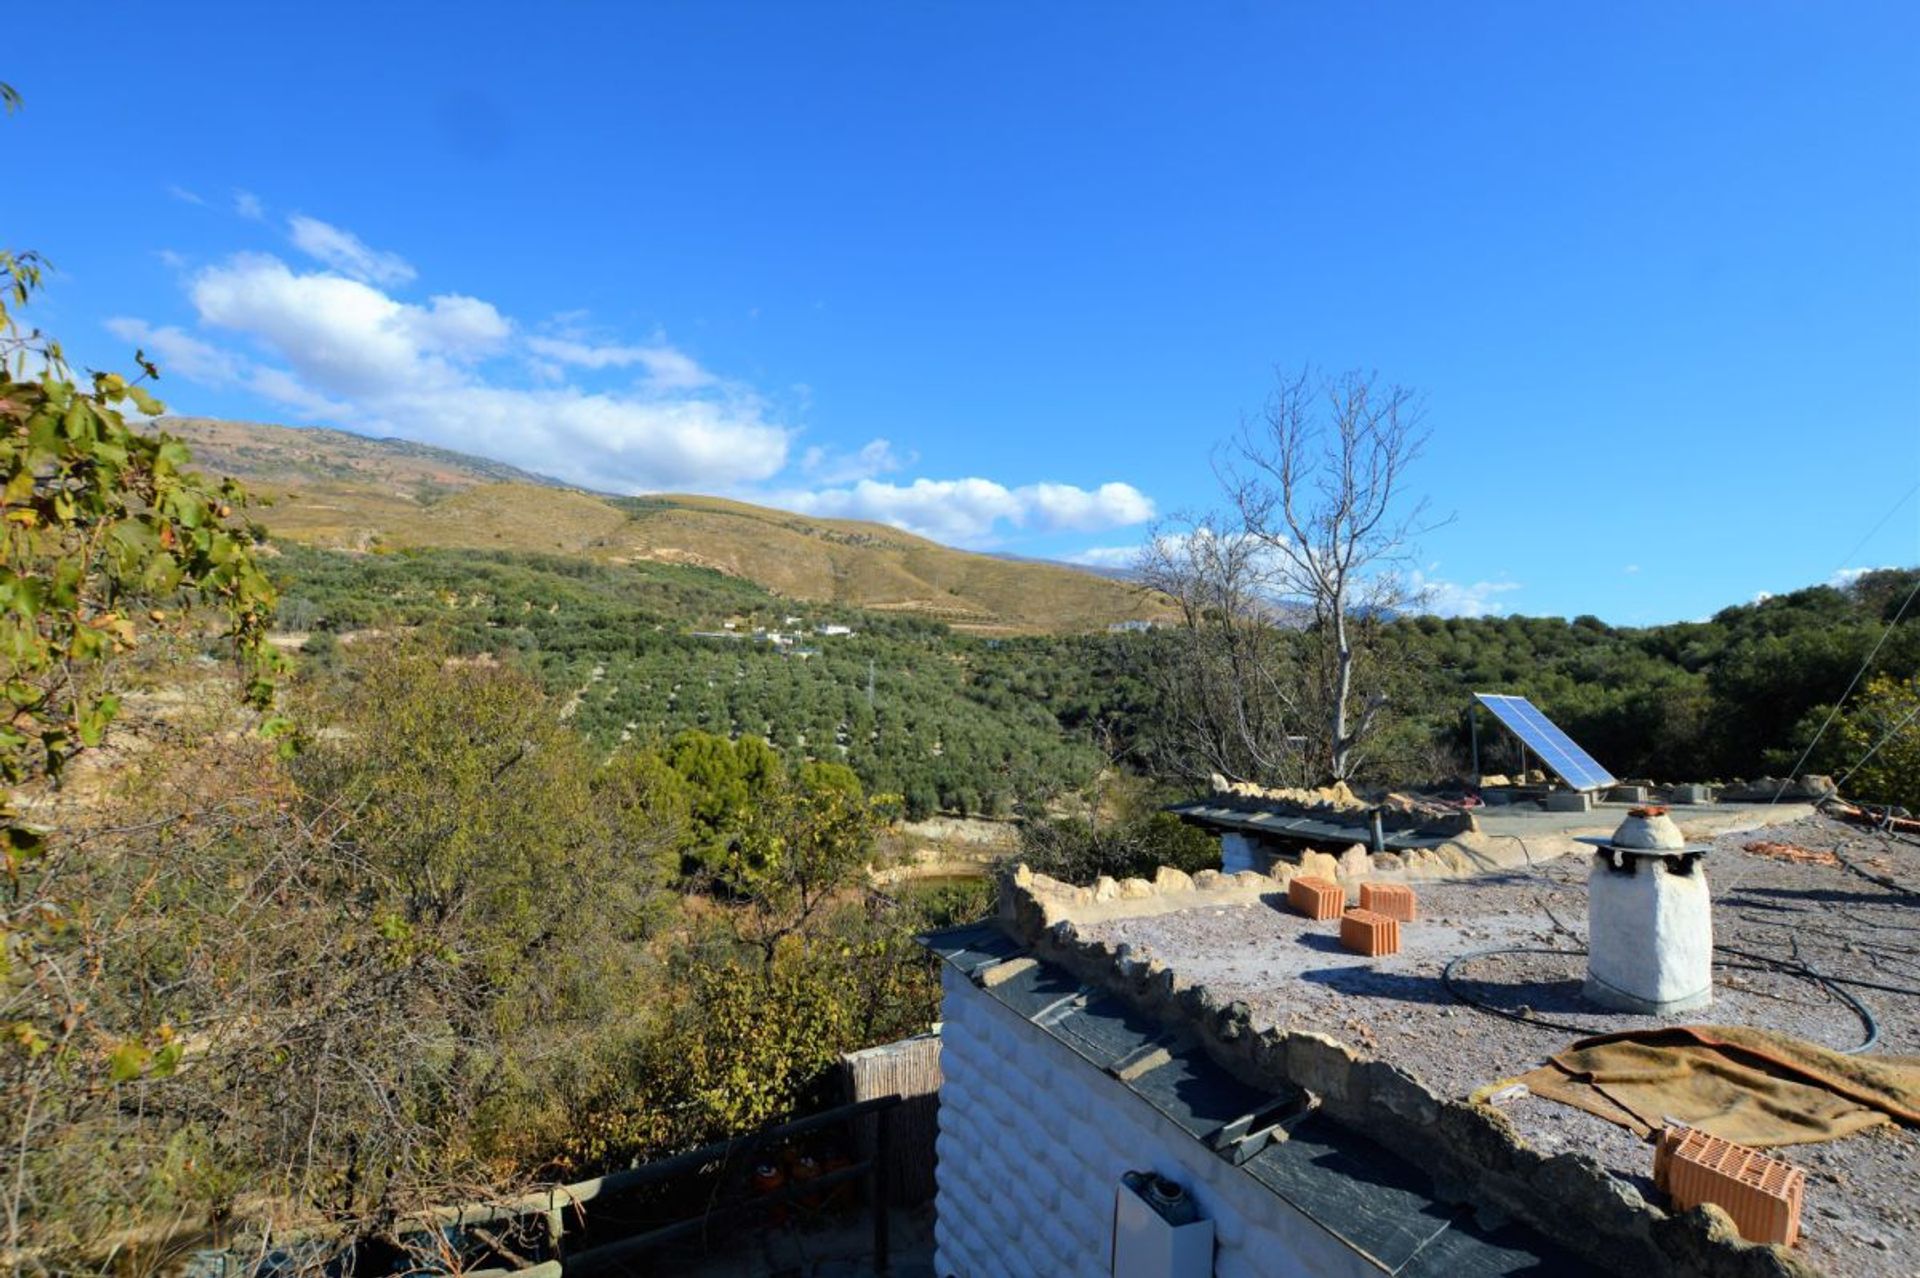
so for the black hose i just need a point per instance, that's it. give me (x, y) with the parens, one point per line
(1832, 985)
(1893, 885)
(1829, 983)
(1446, 979)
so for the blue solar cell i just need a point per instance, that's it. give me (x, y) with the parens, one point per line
(1556, 749)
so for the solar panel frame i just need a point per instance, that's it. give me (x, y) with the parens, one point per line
(1556, 749)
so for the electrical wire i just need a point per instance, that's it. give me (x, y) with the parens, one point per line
(1761, 962)
(1828, 722)
(1884, 738)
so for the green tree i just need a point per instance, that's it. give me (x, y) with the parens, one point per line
(108, 541)
(1885, 720)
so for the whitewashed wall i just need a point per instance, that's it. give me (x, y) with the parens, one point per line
(1239, 852)
(1032, 1144)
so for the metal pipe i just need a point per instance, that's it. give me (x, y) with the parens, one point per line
(882, 1170)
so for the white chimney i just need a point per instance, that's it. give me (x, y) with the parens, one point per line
(1649, 921)
(1158, 1231)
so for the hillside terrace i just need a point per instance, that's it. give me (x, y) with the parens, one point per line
(1488, 984)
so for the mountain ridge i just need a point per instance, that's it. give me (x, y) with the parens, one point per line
(342, 491)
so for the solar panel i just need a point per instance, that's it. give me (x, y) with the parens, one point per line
(1556, 749)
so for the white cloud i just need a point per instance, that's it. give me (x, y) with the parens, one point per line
(875, 457)
(344, 336)
(1847, 576)
(338, 343)
(973, 509)
(667, 369)
(1631, 569)
(185, 196)
(1111, 505)
(177, 351)
(1107, 556)
(1442, 598)
(346, 252)
(343, 350)
(248, 205)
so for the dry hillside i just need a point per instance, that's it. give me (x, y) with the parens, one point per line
(335, 489)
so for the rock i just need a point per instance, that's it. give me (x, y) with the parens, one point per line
(1319, 865)
(1320, 1064)
(1219, 783)
(1354, 863)
(1169, 879)
(1105, 889)
(1423, 863)
(1135, 889)
(1209, 880)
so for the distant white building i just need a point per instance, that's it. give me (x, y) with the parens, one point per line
(831, 629)
(1129, 627)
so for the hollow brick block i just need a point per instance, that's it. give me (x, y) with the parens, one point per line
(1317, 898)
(1760, 1192)
(1395, 900)
(1370, 934)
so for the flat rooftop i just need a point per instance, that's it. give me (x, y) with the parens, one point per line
(1505, 833)
(1358, 1192)
(1862, 1210)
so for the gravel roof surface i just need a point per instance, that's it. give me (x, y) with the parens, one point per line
(1862, 1209)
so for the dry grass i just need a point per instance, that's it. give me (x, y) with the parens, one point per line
(344, 491)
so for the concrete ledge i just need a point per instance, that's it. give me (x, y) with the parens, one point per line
(1472, 1149)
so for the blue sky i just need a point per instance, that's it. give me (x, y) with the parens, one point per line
(1004, 274)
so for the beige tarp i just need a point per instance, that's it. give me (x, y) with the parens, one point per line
(1744, 1085)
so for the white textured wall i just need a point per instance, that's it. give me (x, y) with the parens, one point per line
(1032, 1144)
(1239, 852)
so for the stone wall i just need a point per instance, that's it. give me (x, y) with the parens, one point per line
(1033, 1141)
(1471, 1151)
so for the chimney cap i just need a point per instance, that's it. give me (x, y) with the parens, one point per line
(1647, 832)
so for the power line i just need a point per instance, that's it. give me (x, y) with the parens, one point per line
(1891, 512)
(1884, 738)
(1828, 722)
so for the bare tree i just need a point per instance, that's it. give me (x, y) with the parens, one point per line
(1227, 678)
(1317, 487)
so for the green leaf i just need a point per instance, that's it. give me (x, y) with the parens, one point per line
(126, 1061)
(167, 1059)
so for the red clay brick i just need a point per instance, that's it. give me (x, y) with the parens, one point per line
(1373, 935)
(1760, 1192)
(1395, 900)
(1315, 897)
